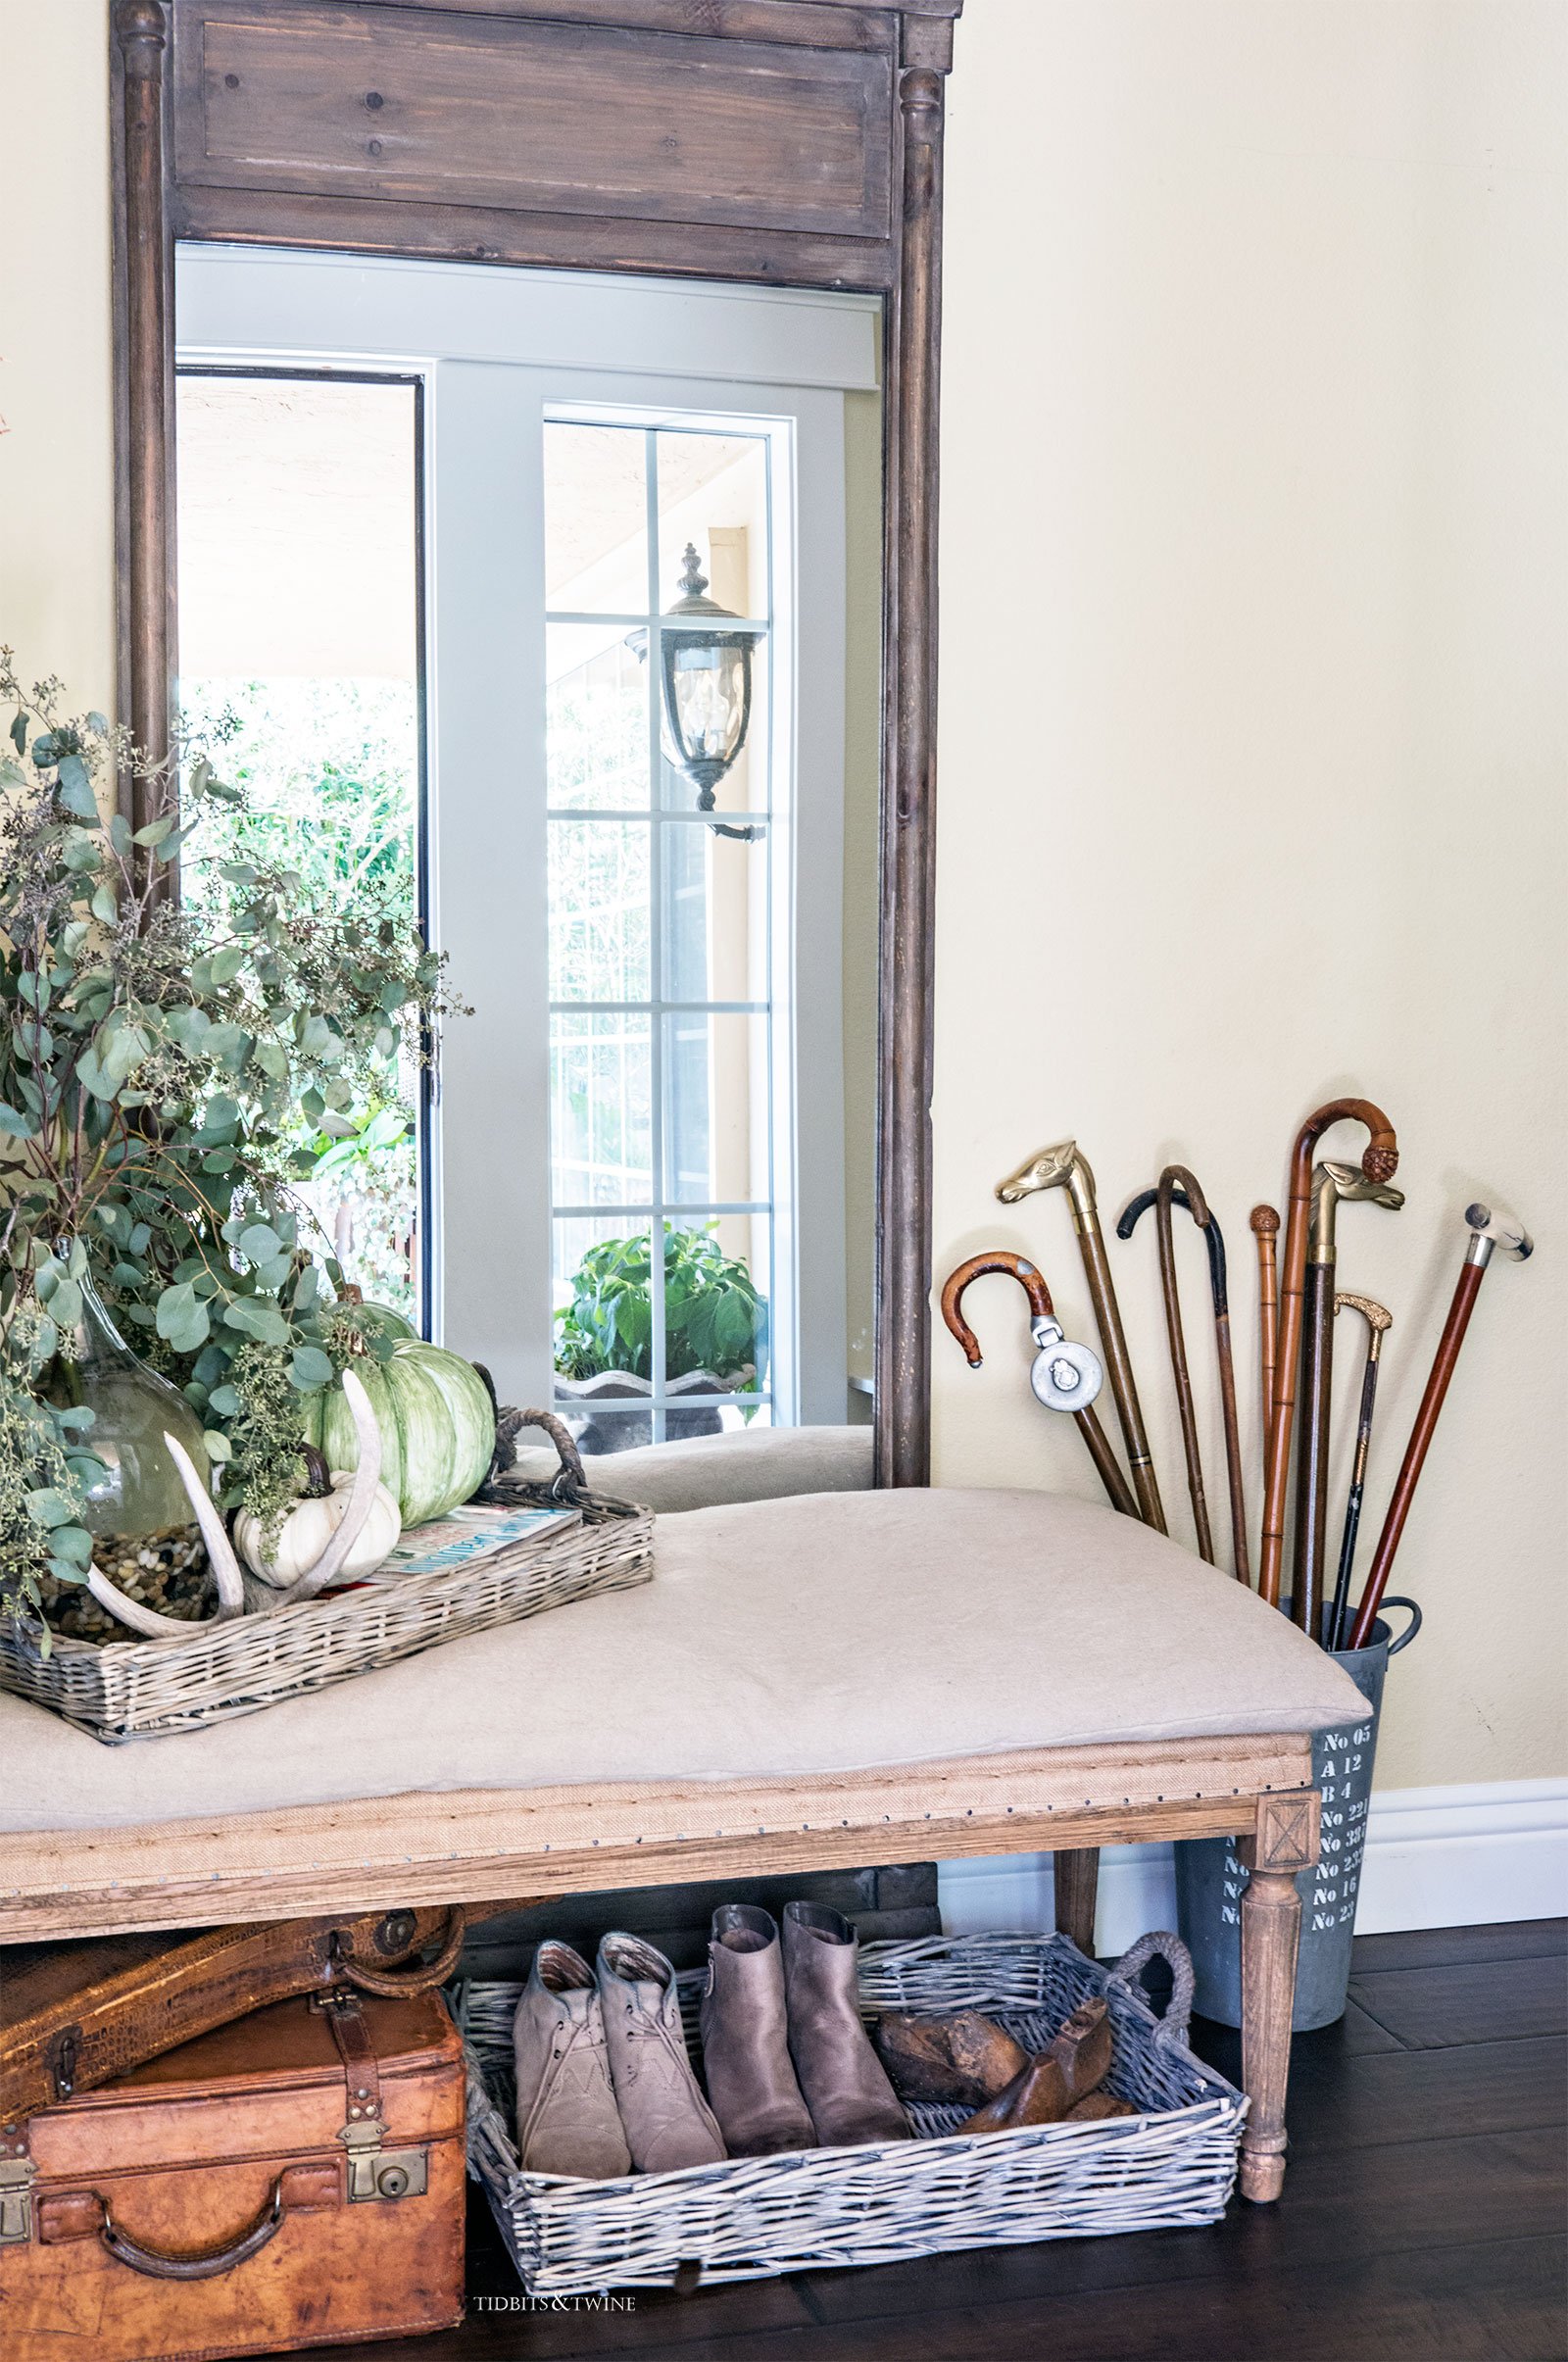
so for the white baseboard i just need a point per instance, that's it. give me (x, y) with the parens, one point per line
(1434, 1858)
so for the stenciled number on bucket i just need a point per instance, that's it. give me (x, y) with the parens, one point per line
(1344, 1841)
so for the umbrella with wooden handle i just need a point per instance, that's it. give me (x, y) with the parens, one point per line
(1489, 1232)
(1377, 1162)
(1062, 1167)
(1066, 1377)
(1178, 1187)
(1379, 1320)
(1331, 1185)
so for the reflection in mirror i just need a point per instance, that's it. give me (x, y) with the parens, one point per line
(645, 695)
(297, 521)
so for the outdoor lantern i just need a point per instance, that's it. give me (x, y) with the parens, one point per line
(707, 658)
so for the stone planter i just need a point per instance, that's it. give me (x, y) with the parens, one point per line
(623, 1431)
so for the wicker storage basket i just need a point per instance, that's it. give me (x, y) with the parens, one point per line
(146, 1689)
(1172, 2164)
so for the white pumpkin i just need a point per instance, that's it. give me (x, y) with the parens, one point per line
(308, 1529)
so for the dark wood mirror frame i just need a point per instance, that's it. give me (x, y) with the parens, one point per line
(792, 142)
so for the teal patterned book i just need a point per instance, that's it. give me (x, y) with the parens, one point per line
(465, 1536)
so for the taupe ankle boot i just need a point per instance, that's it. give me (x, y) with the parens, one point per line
(567, 2121)
(669, 2123)
(746, 2052)
(845, 2084)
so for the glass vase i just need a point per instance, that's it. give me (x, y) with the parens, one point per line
(145, 1536)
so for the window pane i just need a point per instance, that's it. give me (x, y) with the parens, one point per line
(714, 937)
(712, 494)
(596, 718)
(600, 1108)
(599, 910)
(716, 1110)
(716, 1288)
(596, 519)
(299, 645)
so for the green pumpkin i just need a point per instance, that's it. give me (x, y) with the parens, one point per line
(437, 1423)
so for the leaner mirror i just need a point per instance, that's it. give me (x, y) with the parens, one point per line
(528, 484)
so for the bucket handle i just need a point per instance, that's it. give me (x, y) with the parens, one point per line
(1389, 1600)
(1172, 2027)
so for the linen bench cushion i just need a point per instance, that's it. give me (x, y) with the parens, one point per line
(743, 1463)
(820, 1634)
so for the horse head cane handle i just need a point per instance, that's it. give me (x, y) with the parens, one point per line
(1064, 1166)
(1490, 1233)
(1379, 1320)
(1177, 1185)
(1061, 1371)
(1379, 1160)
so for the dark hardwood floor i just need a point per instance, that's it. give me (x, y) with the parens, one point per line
(1422, 2221)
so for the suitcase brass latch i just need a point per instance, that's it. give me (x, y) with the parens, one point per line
(375, 2171)
(15, 2200)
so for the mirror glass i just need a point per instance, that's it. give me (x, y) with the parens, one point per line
(549, 609)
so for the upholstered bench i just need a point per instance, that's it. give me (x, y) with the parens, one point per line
(815, 1682)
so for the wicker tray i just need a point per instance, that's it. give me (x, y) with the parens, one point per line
(147, 1689)
(1172, 2164)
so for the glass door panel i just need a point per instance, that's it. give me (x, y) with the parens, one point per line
(660, 930)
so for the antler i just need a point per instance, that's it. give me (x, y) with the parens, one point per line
(226, 1566)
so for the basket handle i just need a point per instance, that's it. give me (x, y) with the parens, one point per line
(571, 1467)
(1172, 2027)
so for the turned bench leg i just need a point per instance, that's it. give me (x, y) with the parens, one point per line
(1077, 1878)
(1285, 1842)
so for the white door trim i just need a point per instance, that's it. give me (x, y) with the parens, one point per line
(229, 298)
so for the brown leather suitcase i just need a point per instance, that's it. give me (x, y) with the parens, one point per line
(296, 2178)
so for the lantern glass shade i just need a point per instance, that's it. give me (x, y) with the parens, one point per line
(707, 658)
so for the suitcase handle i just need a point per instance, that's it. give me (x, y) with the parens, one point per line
(204, 2265)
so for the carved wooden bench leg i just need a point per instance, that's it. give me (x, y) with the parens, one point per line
(1077, 1876)
(1285, 1842)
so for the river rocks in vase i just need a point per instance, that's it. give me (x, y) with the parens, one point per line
(167, 1571)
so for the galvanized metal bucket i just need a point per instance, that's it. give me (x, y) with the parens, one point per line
(1209, 1879)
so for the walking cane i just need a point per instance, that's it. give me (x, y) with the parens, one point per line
(1064, 1377)
(1331, 1185)
(1192, 1197)
(1490, 1231)
(1378, 1162)
(1379, 1320)
(1265, 1223)
(1062, 1167)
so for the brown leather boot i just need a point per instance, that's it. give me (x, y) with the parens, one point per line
(846, 2087)
(746, 2052)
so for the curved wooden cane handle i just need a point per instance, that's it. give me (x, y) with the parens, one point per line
(1013, 1267)
(391, 1982)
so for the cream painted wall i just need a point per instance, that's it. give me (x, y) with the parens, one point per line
(1254, 612)
(1252, 740)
